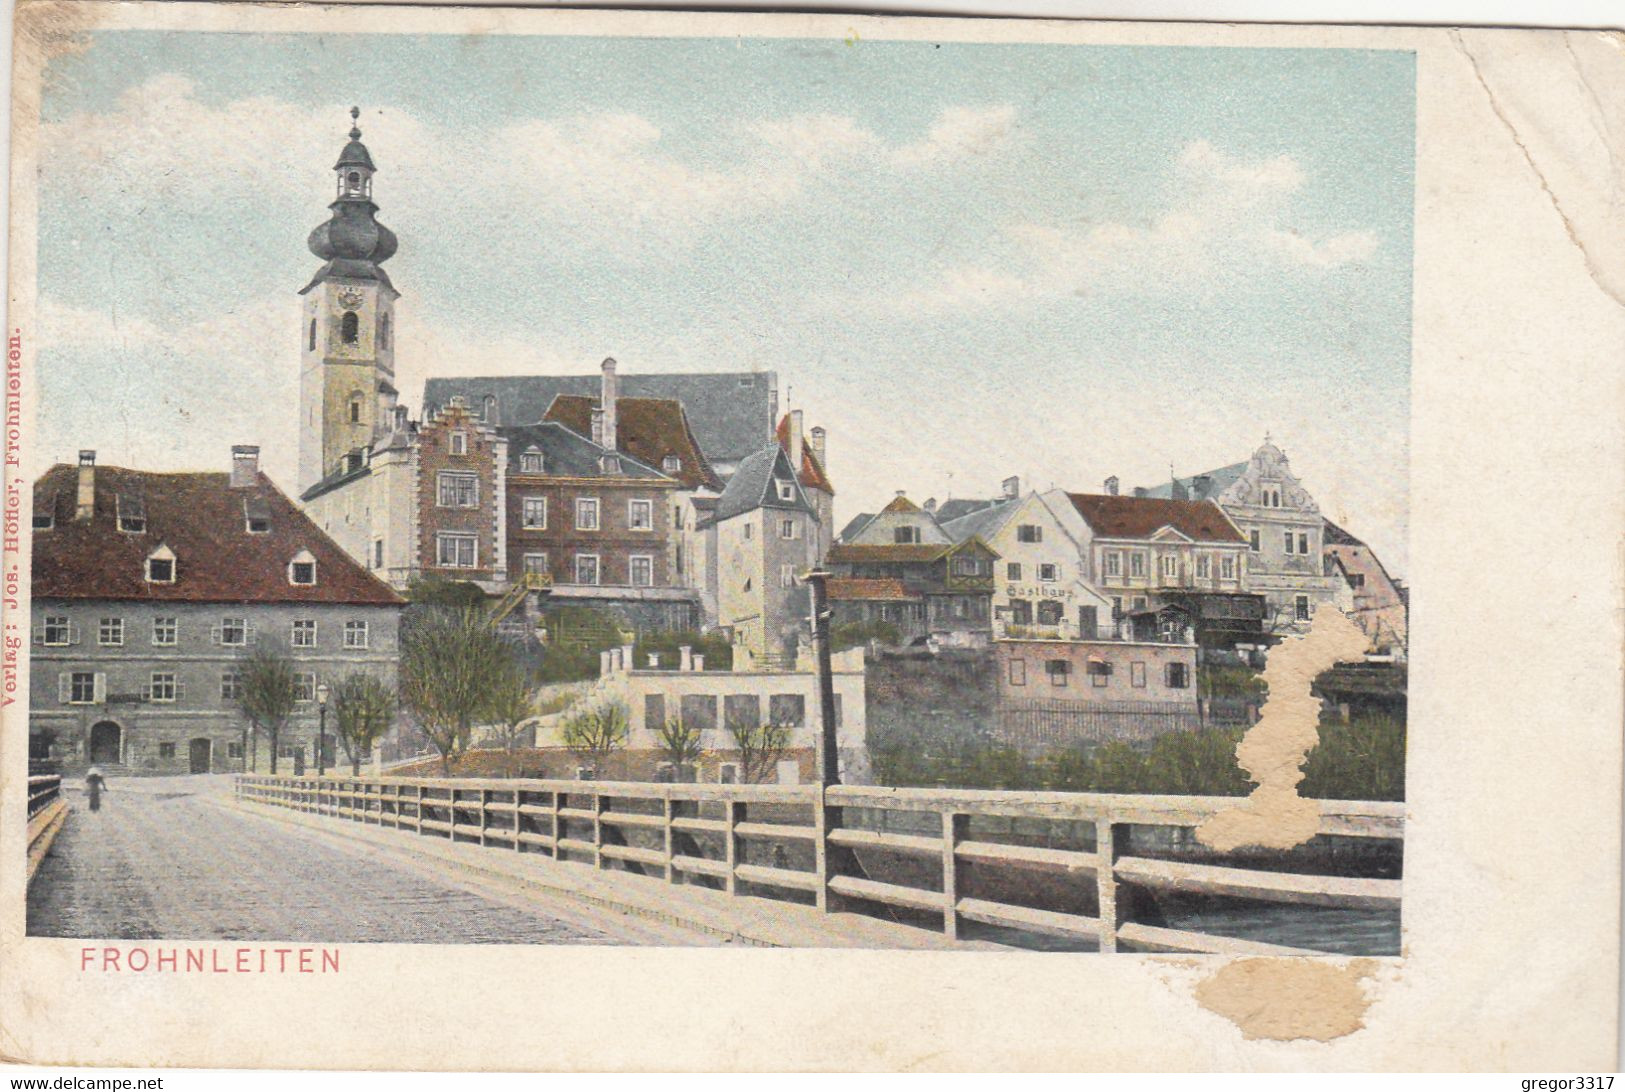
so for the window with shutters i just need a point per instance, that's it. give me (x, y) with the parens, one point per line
(82, 688)
(1029, 532)
(110, 632)
(232, 631)
(162, 687)
(164, 631)
(56, 631)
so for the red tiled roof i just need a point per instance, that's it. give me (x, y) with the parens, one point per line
(202, 521)
(1142, 517)
(811, 470)
(854, 588)
(648, 429)
(899, 551)
(901, 504)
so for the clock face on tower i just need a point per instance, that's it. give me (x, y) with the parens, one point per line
(351, 297)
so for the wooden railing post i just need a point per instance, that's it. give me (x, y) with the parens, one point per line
(419, 808)
(485, 803)
(558, 824)
(600, 803)
(670, 813)
(952, 830)
(1106, 837)
(733, 811)
(518, 818)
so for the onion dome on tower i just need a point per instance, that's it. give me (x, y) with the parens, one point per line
(353, 243)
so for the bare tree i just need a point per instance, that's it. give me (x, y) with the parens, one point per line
(594, 733)
(760, 746)
(266, 693)
(363, 709)
(451, 662)
(511, 704)
(680, 743)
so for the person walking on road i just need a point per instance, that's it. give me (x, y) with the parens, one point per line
(95, 785)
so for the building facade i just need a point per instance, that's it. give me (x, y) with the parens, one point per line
(1282, 526)
(948, 585)
(1170, 569)
(149, 591)
(763, 536)
(1378, 606)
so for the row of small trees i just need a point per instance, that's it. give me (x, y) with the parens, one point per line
(592, 734)
(363, 708)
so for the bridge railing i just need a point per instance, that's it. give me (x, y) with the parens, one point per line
(1052, 863)
(46, 812)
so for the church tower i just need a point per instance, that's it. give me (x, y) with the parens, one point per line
(346, 332)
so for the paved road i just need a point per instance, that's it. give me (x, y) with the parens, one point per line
(160, 860)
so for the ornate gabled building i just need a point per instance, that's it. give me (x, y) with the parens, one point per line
(1283, 528)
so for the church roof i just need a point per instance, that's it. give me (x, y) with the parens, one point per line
(202, 520)
(731, 413)
(355, 154)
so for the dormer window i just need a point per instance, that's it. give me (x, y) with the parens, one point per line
(302, 569)
(671, 464)
(489, 410)
(45, 514)
(609, 464)
(132, 514)
(530, 462)
(787, 491)
(256, 516)
(161, 566)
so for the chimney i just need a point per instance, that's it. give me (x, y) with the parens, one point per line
(597, 425)
(606, 401)
(795, 442)
(1201, 485)
(1139, 490)
(1011, 487)
(931, 504)
(86, 507)
(1111, 486)
(245, 465)
(818, 443)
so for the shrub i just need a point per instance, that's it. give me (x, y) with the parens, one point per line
(1361, 760)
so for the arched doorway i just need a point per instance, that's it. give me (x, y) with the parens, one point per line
(201, 751)
(106, 743)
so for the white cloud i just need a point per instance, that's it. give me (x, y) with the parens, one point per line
(959, 132)
(1226, 217)
(604, 183)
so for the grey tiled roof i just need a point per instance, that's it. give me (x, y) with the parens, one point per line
(855, 526)
(731, 413)
(568, 454)
(752, 486)
(983, 522)
(957, 509)
(1222, 479)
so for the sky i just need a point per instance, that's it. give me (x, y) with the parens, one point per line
(965, 261)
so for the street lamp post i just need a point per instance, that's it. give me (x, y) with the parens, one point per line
(321, 729)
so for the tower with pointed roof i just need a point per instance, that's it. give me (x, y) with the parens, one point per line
(347, 317)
